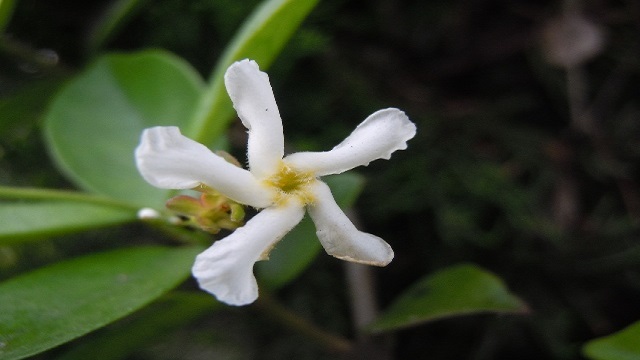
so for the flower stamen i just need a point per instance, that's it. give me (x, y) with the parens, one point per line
(292, 183)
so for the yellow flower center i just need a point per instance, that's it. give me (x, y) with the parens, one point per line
(291, 183)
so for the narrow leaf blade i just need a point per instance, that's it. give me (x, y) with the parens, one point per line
(56, 304)
(37, 220)
(457, 290)
(261, 38)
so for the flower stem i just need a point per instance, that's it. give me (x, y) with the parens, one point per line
(285, 316)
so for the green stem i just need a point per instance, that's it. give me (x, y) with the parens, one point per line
(41, 194)
(42, 60)
(285, 316)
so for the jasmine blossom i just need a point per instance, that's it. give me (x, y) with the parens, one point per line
(282, 186)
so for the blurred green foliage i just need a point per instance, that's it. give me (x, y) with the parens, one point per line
(499, 174)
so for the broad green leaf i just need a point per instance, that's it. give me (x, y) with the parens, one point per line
(457, 290)
(6, 10)
(95, 122)
(23, 221)
(123, 338)
(296, 251)
(56, 304)
(623, 345)
(261, 38)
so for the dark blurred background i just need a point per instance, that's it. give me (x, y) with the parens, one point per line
(526, 159)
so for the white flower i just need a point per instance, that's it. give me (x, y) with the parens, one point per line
(282, 186)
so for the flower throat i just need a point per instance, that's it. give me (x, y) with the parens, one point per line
(292, 183)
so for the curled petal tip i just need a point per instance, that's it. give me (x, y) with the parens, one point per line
(162, 155)
(356, 246)
(396, 126)
(219, 273)
(226, 268)
(243, 63)
(377, 137)
(169, 160)
(339, 236)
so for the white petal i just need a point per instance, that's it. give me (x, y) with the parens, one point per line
(169, 160)
(339, 236)
(253, 99)
(377, 137)
(226, 268)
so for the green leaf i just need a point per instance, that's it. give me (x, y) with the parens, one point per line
(296, 251)
(95, 122)
(56, 304)
(457, 290)
(6, 10)
(33, 220)
(623, 345)
(123, 338)
(31, 213)
(261, 38)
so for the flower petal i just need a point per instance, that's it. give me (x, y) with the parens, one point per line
(169, 160)
(377, 137)
(339, 236)
(253, 99)
(226, 268)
